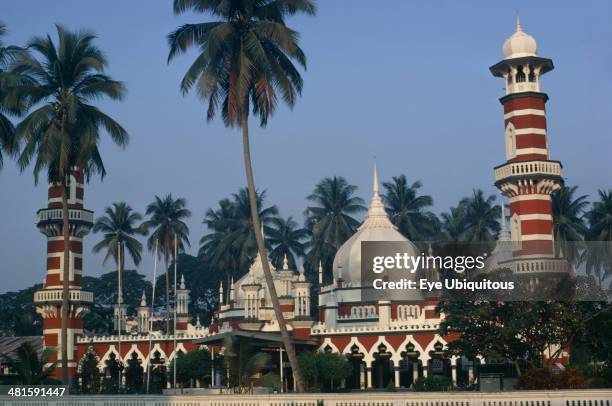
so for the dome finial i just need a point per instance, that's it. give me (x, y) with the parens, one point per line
(375, 178)
(518, 23)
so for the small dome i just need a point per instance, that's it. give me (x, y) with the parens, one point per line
(376, 227)
(519, 44)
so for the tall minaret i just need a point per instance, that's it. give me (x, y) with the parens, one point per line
(49, 299)
(528, 177)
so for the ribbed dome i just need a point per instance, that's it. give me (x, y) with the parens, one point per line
(376, 227)
(519, 44)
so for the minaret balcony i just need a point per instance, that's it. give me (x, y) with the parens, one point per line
(53, 216)
(57, 295)
(528, 170)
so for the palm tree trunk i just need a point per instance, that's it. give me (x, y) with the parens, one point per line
(65, 283)
(287, 342)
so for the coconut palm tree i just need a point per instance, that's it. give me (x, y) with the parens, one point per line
(8, 55)
(600, 217)
(407, 209)
(330, 221)
(119, 226)
(287, 240)
(481, 217)
(62, 130)
(231, 245)
(166, 220)
(245, 62)
(568, 221)
(454, 224)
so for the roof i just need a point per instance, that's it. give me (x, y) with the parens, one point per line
(9, 345)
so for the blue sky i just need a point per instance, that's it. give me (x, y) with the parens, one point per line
(404, 81)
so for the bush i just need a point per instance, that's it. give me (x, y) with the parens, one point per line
(270, 380)
(433, 383)
(545, 378)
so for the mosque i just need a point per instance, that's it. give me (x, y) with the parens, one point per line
(387, 341)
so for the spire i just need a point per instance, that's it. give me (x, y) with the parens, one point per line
(285, 263)
(301, 278)
(143, 300)
(518, 23)
(375, 188)
(504, 234)
(377, 215)
(198, 321)
(231, 289)
(182, 281)
(220, 293)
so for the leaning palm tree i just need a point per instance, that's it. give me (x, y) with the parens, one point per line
(408, 210)
(598, 252)
(166, 218)
(568, 221)
(245, 62)
(119, 228)
(287, 241)
(62, 131)
(8, 55)
(481, 217)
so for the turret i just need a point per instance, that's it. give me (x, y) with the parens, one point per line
(182, 306)
(144, 315)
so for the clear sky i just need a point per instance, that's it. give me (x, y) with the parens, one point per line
(405, 81)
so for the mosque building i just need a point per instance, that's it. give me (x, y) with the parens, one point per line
(391, 341)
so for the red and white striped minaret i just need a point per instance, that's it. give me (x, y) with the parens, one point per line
(528, 177)
(49, 299)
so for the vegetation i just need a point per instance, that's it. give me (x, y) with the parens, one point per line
(324, 370)
(194, 366)
(243, 365)
(166, 220)
(246, 60)
(433, 383)
(62, 130)
(32, 368)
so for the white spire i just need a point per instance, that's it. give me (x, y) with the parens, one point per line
(198, 321)
(285, 263)
(301, 278)
(232, 289)
(375, 188)
(182, 281)
(143, 300)
(377, 215)
(504, 234)
(518, 23)
(220, 293)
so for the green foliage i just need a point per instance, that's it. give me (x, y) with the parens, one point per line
(158, 374)
(408, 211)
(30, 367)
(568, 221)
(119, 227)
(192, 366)
(287, 240)
(433, 383)
(134, 375)
(270, 380)
(323, 367)
(89, 376)
(18, 316)
(112, 369)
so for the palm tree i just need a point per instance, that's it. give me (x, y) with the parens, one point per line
(330, 221)
(600, 217)
(407, 209)
(32, 368)
(8, 55)
(245, 58)
(119, 227)
(62, 131)
(286, 238)
(454, 224)
(166, 218)
(598, 253)
(231, 245)
(481, 217)
(568, 221)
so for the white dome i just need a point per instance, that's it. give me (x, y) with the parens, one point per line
(519, 44)
(376, 227)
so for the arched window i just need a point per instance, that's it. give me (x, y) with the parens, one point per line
(520, 74)
(510, 142)
(532, 77)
